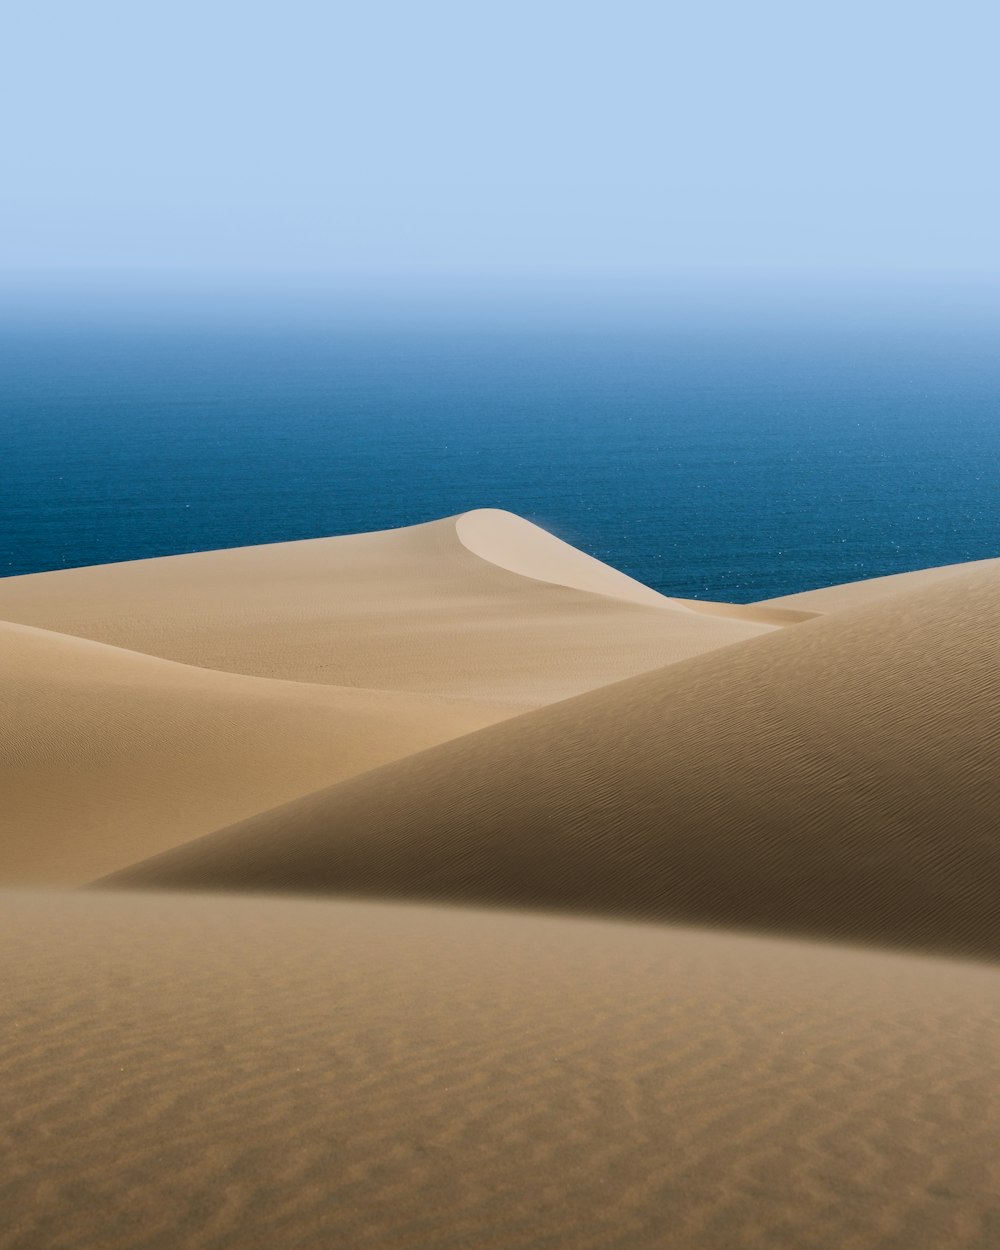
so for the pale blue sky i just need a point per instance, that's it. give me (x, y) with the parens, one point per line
(527, 138)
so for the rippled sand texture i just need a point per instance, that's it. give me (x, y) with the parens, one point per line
(184, 1072)
(328, 791)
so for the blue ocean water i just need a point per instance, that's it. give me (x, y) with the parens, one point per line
(733, 461)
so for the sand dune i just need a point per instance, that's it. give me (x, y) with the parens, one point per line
(190, 1070)
(428, 609)
(510, 542)
(107, 755)
(181, 1073)
(854, 594)
(838, 778)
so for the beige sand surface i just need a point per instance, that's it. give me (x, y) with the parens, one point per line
(760, 612)
(854, 594)
(247, 1074)
(106, 754)
(414, 609)
(512, 543)
(221, 1071)
(838, 778)
(109, 754)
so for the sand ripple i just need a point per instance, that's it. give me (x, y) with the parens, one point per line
(227, 1073)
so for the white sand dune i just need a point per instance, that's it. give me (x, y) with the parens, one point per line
(838, 778)
(484, 606)
(107, 754)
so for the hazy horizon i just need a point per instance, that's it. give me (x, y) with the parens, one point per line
(682, 300)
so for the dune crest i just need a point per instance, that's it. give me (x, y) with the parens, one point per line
(412, 609)
(512, 543)
(837, 779)
(870, 589)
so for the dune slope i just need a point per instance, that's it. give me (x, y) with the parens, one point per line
(253, 1074)
(855, 594)
(838, 778)
(510, 542)
(107, 755)
(484, 606)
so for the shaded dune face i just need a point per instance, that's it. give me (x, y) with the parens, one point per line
(251, 1074)
(838, 778)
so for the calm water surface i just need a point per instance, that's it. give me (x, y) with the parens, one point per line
(734, 463)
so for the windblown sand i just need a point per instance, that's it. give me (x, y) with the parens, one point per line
(471, 712)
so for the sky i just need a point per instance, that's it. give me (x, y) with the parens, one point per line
(430, 138)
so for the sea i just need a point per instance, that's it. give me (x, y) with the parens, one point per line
(723, 446)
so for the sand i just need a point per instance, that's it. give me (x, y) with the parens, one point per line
(452, 889)
(185, 1072)
(413, 609)
(838, 778)
(853, 594)
(105, 752)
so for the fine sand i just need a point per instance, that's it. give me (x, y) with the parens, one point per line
(179, 1073)
(838, 778)
(417, 609)
(106, 753)
(425, 739)
(853, 594)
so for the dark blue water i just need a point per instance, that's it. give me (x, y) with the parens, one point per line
(733, 462)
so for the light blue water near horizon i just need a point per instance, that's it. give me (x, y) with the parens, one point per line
(734, 458)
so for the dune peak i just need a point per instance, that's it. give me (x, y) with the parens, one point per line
(520, 546)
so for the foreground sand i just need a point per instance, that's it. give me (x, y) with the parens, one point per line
(472, 711)
(181, 1073)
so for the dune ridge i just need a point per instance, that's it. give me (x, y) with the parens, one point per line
(837, 779)
(870, 589)
(512, 543)
(412, 609)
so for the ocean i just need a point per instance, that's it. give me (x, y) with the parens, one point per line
(734, 458)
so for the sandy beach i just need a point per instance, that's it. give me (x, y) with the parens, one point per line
(444, 887)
